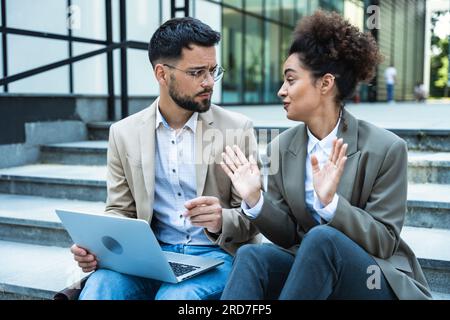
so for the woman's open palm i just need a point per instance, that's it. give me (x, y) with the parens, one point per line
(244, 174)
(326, 179)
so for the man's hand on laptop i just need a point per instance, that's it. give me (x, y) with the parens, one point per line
(205, 212)
(86, 261)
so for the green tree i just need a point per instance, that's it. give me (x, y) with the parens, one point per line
(439, 68)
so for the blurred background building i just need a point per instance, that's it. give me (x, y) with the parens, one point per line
(255, 33)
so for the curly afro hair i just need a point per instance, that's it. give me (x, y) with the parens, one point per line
(327, 43)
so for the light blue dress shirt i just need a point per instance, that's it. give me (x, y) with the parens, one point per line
(175, 183)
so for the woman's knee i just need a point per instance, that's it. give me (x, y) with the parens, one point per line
(322, 233)
(254, 253)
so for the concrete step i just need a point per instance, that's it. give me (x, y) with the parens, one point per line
(432, 248)
(437, 140)
(35, 272)
(56, 181)
(428, 206)
(76, 153)
(423, 167)
(428, 167)
(417, 139)
(32, 219)
(99, 130)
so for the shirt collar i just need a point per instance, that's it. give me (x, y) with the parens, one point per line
(191, 123)
(326, 143)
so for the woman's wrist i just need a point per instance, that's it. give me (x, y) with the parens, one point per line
(252, 199)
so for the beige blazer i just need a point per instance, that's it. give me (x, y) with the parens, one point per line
(372, 200)
(131, 169)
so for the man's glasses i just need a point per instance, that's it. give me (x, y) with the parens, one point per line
(202, 74)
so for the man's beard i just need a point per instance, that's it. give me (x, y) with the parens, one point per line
(189, 103)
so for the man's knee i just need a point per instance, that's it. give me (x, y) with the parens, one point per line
(102, 276)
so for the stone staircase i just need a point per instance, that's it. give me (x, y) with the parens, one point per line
(36, 260)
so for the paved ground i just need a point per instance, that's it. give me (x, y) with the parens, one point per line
(401, 115)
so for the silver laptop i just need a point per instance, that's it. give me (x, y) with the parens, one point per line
(129, 246)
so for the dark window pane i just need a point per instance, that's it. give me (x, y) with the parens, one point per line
(232, 86)
(272, 77)
(253, 59)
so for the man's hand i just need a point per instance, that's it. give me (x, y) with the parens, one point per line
(86, 261)
(205, 212)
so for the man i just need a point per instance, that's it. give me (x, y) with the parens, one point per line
(160, 169)
(389, 75)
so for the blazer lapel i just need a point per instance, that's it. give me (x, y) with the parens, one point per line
(294, 178)
(204, 138)
(350, 136)
(147, 145)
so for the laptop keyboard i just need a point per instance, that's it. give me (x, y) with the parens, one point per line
(179, 269)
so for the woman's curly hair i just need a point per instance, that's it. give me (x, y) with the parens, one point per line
(327, 43)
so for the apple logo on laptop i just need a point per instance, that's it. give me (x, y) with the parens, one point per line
(112, 245)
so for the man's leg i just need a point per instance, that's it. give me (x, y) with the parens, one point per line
(329, 265)
(390, 92)
(259, 272)
(105, 284)
(206, 286)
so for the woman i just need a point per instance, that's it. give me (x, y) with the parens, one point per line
(335, 207)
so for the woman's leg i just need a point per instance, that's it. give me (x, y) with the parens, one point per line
(329, 265)
(259, 272)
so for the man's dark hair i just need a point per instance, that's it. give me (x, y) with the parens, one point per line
(178, 33)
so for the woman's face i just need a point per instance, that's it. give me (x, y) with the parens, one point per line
(301, 98)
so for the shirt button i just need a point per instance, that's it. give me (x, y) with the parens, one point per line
(181, 216)
(173, 142)
(179, 194)
(188, 237)
(173, 170)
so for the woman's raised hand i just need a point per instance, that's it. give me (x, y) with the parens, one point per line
(244, 174)
(326, 179)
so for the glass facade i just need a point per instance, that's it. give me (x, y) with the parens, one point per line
(255, 39)
(402, 46)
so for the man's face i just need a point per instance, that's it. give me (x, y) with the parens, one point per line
(190, 87)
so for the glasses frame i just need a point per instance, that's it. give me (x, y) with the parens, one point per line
(217, 78)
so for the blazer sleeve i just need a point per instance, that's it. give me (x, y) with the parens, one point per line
(377, 226)
(236, 228)
(276, 221)
(119, 200)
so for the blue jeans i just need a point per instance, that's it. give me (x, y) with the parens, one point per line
(328, 265)
(105, 284)
(390, 92)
